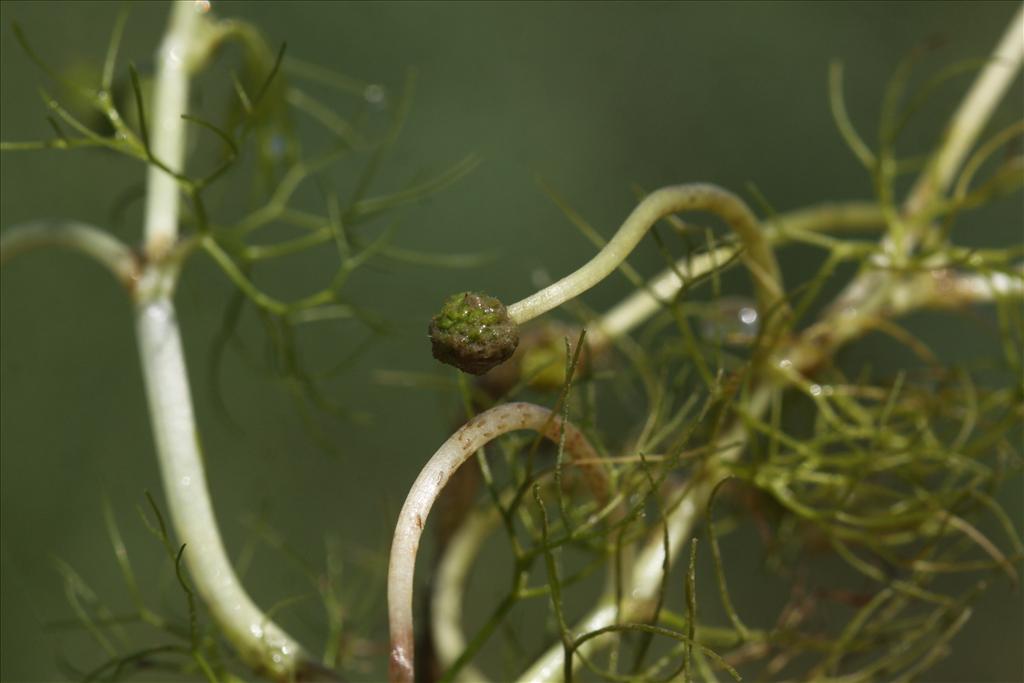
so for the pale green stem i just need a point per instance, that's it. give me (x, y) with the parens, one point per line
(91, 241)
(661, 203)
(470, 438)
(184, 44)
(970, 118)
(260, 642)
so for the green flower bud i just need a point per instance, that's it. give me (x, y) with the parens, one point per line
(473, 332)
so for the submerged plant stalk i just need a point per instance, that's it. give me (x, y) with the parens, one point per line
(260, 642)
(472, 436)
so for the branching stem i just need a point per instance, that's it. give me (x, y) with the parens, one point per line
(91, 241)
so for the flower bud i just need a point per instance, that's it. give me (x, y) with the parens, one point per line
(473, 332)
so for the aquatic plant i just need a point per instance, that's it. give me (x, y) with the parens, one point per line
(671, 416)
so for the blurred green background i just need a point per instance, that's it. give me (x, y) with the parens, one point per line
(592, 97)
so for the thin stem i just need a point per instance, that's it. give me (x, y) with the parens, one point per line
(655, 206)
(472, 436)
(87, 239)
(842, 118)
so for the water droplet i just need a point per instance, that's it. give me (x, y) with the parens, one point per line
(375, 94)
(202, 6)
(256, 630)
(815, 390)
(276, 146)
(730, 320)
(186, 481)
(785, 364)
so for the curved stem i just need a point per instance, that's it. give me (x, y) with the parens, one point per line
(655, 206)
(87, 239)
(260, 642)
(428, 486)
